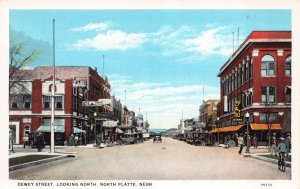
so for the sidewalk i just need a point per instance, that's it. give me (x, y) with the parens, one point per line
(257, 154)
(19, 151)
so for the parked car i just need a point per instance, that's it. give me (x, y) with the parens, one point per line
(157, 139)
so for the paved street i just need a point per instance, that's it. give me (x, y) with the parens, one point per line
(168, 160)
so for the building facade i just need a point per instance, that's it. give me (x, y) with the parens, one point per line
(257, 80)
(208, 113)
(31, 111)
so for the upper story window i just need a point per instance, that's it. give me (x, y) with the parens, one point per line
(58, 102)
(251, 68)
(267, 66)
(20, 101)
(50, 88)
(268, 94)
(288, 66)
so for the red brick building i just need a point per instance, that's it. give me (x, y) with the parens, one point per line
(257, 79)
(30, 105)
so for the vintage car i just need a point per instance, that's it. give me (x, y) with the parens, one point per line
(157, 138)
(132, 138)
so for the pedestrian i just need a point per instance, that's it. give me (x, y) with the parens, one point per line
(76, 140)
(254, 141)
(241, 142)
(287, 140)
(282, 147)
(26, 139)
(39, 142)
(273, 144)
(236, 136)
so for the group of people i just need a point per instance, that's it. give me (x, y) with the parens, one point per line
(281, 145)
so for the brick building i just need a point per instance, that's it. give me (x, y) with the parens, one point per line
(30, 106)
(257, 79)
(208, 113)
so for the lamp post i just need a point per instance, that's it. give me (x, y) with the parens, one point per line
(218, 130)
(247, 153)
(95, 115)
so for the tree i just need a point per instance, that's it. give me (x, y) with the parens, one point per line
(19, 58)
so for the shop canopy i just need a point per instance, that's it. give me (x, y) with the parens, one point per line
(78, 130)
(119, 131)
(227, 129)
(265, 126)
(47, 128)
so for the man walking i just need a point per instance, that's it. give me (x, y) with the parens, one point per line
(241, 142)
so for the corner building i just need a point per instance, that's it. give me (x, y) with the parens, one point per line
(257, 79)
(31, 111)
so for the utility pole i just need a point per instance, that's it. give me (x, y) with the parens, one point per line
(53, 94)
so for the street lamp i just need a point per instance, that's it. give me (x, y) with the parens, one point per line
(247, 153)
(95, 115)
(218, 129)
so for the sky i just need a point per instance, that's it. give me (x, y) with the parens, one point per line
(167, 61)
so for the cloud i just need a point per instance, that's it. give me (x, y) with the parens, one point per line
(163, 102)
(111, 40)
(102, 26)
(215, 41)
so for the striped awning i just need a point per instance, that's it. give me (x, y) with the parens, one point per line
(46, 128)
(264, 126)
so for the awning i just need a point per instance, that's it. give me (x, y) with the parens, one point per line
(264, 126)
(77, 130)
(46, 128)
(119, 130)
(227, 129)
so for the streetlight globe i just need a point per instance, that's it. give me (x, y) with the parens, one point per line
(95, 114)
(247, 115)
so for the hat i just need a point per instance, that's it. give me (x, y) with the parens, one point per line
(281, 138)
(274, 133)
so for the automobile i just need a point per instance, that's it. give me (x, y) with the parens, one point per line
(157, 139)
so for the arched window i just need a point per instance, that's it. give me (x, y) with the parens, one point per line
(288, 66)
(50, 88)
(267, 66)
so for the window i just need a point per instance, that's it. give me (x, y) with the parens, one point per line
(267, 66)
(57, 122)
(271, 117)
(58, 100)
(288, 68)
(50, 88)
(46, 102)
(246, 73)
(251, 68)
(20, 101)
(74, 91)
(27, 101)
(268, 94)
(288, 96)
(26, 129)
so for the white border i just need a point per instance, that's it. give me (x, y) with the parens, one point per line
(294, 5)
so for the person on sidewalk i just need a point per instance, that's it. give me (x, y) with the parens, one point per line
(241, 143)
(273, 145)
(254, 141)
(282, 147)
(76, 140)
(39, 142)
(26, 139)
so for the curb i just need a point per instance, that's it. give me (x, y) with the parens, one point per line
(288, 164)
(38, 162)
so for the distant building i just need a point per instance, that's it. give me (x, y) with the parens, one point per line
(208, 114)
